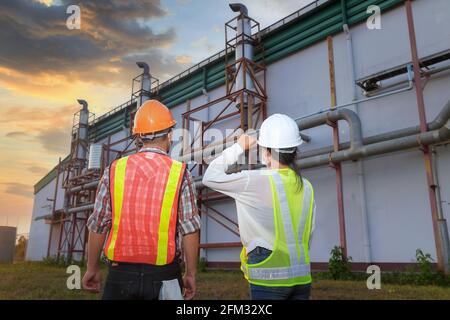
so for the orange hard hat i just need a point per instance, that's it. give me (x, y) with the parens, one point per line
(152, 117)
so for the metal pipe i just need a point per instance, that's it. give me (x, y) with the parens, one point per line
(80, 152)
(437, 123)
(55, 196)
(81, 208)
(244, 51)
(89, 185)
(239, 7)
(337, 166)
(439, 238)
(305, 137)
(413, 141)
(353, 122)
(359, 164)
(443, 228)
(441, 118)
(347, 115)
(146, 83)
(83, 103)
(144, 66)
(380, 147)
(383, 95)
(351, 60)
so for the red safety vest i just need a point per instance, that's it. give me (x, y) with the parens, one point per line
(144, 190)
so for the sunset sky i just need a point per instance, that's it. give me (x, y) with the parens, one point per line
(45, 67)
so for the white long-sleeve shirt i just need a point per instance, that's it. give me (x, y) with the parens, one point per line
(252, 192)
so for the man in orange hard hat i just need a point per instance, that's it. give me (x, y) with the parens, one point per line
(147, 203)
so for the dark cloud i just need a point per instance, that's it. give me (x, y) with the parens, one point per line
(16, 135)
(35, 39)
(50, 127)
(29, 115)
(55, 140)
(37, 169)
(18, 189)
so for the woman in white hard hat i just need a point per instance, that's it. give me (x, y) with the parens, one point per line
(275, 208)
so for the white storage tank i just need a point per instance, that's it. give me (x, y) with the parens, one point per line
(7, 244)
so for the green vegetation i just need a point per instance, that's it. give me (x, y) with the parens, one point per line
(339, 265)
(421, 274)
(31, 280)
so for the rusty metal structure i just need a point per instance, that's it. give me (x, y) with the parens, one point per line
(78, 194)
(79, 183)
(245, 100)
(337, 166)
(438, 222)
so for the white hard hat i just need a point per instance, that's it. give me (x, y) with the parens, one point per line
(279, 131)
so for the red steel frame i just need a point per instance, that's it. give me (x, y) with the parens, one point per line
(251, 110)
(431, 185)
(337, 166)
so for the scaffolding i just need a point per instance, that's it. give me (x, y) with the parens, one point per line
(78, 197)
(245, 101)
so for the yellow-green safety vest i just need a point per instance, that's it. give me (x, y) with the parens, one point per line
(289, 263)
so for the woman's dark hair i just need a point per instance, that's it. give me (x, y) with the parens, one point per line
(288, 157)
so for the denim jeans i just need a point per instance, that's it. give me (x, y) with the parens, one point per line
(138, 281)
(298, 292)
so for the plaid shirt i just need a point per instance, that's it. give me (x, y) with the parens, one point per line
(188, 217)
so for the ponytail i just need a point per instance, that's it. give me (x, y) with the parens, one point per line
(288, 157)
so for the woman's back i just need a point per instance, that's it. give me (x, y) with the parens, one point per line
(252, 191)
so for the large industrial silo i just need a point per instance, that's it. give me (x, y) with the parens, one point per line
(7, 244)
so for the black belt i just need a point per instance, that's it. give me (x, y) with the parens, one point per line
(164, 272)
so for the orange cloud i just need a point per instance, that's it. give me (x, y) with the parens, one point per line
(183, 59)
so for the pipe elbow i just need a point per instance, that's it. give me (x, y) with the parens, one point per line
(444, 131)
(349, 115)
(239, 7)
(144, 66)
(83, 103)
(442, 118)
(354, 123)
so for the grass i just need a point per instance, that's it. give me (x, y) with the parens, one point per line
(31, 280)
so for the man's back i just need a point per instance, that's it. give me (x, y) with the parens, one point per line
(144, 190)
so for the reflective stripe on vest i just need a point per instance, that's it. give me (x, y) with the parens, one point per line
(299, 266)
(119, 186)
(155, 251)
(291, 240)
(169, 197)
(294, 271)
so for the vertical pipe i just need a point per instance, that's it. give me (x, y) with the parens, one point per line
(442, 221)
(71, 244)
(146, 84)
(360, 162)
(244, 46)
(243, 53)
(205, 192)
(200, 173)
(55, 195)
(337, 166)
(423, 128)
(62, 229)
(80, 152)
